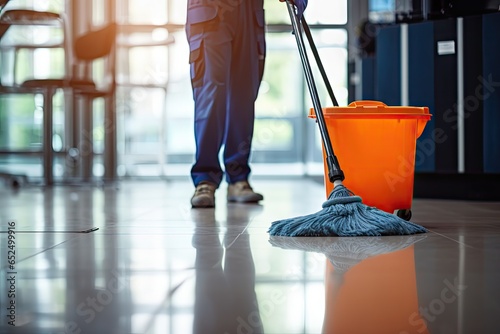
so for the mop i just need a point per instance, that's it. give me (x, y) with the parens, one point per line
(343, 214)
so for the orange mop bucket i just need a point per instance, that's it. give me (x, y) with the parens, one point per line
(376, 144)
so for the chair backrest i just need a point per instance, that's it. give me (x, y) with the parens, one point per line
(3, 3)
(32, 18)
(93, 45)
(29, 17)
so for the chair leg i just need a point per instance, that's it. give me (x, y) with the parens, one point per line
(87, 140)
(48, 152)
(110, 140)
(162, 154)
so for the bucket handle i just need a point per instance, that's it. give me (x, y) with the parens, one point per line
(367, 103)
(421, 123)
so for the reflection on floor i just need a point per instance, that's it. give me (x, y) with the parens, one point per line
(157, 266)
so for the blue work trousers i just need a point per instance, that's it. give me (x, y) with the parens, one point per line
(227, 52)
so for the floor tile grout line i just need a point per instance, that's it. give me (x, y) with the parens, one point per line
(40, 252)
(164, 303)
(87, 231)
(449, 238)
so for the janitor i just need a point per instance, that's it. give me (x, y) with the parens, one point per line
(227, 54)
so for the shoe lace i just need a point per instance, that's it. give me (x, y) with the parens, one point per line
(203, 189)
(246, 186)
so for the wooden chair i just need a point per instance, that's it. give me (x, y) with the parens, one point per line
(78, 80)
(26, 18)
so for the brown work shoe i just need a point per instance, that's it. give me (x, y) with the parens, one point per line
(243, 193)
(204, 195)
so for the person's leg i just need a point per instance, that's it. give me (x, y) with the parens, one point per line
(210, 54)
(246, 71)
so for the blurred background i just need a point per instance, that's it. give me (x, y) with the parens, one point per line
(114, 79)
(153, 101)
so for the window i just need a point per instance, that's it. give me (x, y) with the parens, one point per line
(156, 142)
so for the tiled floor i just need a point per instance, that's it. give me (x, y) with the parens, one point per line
(157, 266)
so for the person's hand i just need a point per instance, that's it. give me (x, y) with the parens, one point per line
(301, 6)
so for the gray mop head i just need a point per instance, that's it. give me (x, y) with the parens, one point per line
(345, 215)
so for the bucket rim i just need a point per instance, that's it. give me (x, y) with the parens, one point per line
(373, 109)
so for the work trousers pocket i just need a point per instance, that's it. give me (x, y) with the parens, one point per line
(197, 62)
(201, 19)
(260, 33)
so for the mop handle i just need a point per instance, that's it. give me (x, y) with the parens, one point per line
(318, 61)
(334, 171)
